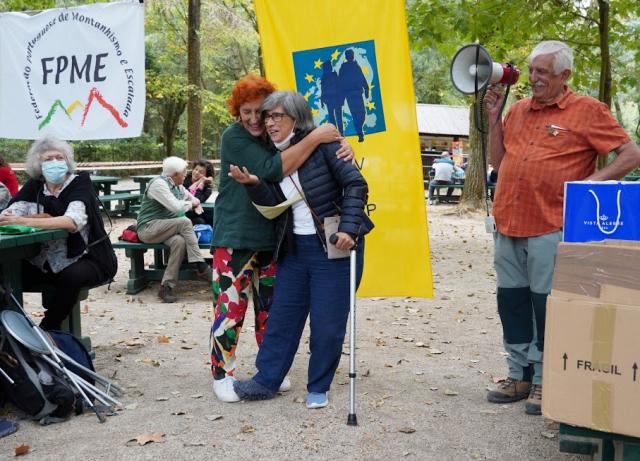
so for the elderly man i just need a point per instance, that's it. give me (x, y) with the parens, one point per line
(162, 220)
(545, 140)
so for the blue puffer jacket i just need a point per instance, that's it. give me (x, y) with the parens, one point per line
(331, 186)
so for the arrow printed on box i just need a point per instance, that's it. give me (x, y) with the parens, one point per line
(564, 357)
(635, 371)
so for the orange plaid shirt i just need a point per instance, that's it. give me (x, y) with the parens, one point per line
(545, 146)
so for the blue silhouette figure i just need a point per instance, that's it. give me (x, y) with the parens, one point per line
(331, 96)
(353, 83)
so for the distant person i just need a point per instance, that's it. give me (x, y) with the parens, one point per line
(545, 140)
(56, 198)
(162, 220)
(8, 183)
(199, 184)
(353, 85)
(443, 175)
(331, 96)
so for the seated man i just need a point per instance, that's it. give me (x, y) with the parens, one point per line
(162, 220)
(443, 168)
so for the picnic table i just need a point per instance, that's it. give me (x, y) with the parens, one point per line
(143, 180)
(102, 184)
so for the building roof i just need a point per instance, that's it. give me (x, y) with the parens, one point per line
(435, 119)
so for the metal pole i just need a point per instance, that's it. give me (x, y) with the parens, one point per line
(352, 419)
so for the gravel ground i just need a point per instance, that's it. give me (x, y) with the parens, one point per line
(423, 369)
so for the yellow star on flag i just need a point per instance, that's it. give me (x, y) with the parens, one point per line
(308, 78)
(314, 112)
(335, 55)
(317, 64)
(306, 96)
(371, 105)
(365, 70)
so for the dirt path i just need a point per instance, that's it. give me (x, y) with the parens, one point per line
(423, 369)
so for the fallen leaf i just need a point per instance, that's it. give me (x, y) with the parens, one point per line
(434, 351)
(144, 439)
(22, 450)
(162, 399)
(131, 406)
(548, 435)
(247, 429)
(162, 339)
(179, 413)
(450, 392)
(298, 400)
(85, 309)
(196, 396)
(193, 444)
(213, 417)
(421, 344)
(407, 430)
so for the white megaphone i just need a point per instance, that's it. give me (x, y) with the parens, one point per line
(472, 70)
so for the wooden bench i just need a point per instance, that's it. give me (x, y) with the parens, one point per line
(451, 198)
(139, 276)
(125, 201)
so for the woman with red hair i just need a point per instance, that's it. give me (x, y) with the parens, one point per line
(244, 241)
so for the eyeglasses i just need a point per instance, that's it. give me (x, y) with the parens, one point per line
(275, 116)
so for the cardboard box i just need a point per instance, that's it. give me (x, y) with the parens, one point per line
(591, 375)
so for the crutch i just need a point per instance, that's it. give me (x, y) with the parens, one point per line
(52, 353)
(352, 419)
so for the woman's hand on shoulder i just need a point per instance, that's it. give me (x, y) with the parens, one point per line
(346, 151)
(243, 176)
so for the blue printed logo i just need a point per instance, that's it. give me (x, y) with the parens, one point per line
(342, 87)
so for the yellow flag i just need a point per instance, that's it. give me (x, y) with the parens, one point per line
(350, 60)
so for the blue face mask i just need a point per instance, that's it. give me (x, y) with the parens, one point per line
(55, 171)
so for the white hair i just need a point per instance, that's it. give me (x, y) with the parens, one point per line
(562, 54)
(173, 165)
(33, 162)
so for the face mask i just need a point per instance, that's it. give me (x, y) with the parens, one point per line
(55, 171)
(286, 142)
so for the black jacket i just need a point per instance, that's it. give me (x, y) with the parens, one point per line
(331, 186)
(99, 249)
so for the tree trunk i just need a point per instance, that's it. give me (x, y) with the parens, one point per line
(171, 113)
(605, 63)
(194, 106)
(473, 194)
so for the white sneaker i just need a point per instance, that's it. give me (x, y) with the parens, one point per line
(285, 385)
(223, 388)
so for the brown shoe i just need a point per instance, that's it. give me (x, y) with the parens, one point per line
(166, 294)
(534, 402)
(509, 390)
(206, 275)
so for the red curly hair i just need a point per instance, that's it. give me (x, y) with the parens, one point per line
(248, 88)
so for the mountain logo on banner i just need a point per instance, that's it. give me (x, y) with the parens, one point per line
(94, 94)
(342, 86)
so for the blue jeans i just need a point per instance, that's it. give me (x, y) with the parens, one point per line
(308, 284)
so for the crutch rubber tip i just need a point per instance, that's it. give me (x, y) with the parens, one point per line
(352, 420)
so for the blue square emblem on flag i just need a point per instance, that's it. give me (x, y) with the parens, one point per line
(342, 86)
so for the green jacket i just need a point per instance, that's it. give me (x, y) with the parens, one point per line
(236, 223)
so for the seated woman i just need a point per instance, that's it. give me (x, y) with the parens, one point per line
(8, 183)
(199, 184)
(309, 284)
(55, 198)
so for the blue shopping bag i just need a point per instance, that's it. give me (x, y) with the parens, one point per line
(595, 211)
(204, 233)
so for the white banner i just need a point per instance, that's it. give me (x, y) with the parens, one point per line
(76, 73)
